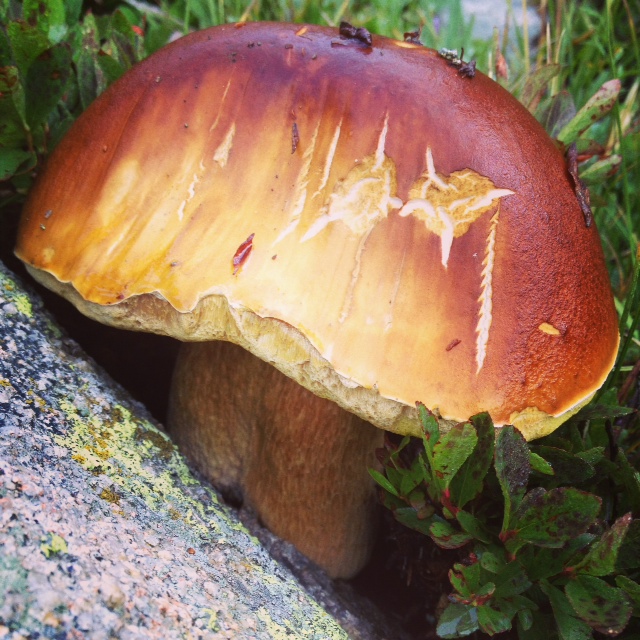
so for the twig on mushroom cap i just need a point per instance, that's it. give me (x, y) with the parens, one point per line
(357, 33)
(465, 69)
(413, 36)
(582, 191)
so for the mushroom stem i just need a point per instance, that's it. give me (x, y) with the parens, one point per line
(299, 460)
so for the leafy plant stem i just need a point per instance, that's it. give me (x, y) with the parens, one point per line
(627, 326)
(559, 36)
(618, 124)
(187, 15)
(626, 387)
(525, 37)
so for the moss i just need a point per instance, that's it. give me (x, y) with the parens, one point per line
(126, 449)
(13, 576)
(53, 544)
(15, 295)
(212, 624)
(282, 630)
(110, 495)
(156, 439)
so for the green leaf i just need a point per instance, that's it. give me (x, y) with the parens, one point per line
(467, 580)
(430, 430)
(451, 451)
(409, 517)
(457, 621)
(605, 608)
(514, 604)
(411, 478)
(46, 82)
(511, 580)
(446, 536)
(13, 126)
(570, 626)
(558, 112)
(512, 468)
(492, 621)
(629, 552)
(597, 171)
(542, 625)
(110, 67)
(13, 161)
(551, 518)
(539, 464)
(592, 456)
(459, 582)
(631, 588)
(468, 482)
(123, 39)
(537, 82)
(49, 17)
(602, 411)
(596, 107)
(525, 619)
(541, 562)
(630, 479)
(73, 11)
(568, 468)
(473, 526)
(91, 78)
(490, 562)
(383, 482)
(46, 15)
(27, 43)
(602, 556)
(393, 475)
(417, 499)
(5, 44)
(392, 503)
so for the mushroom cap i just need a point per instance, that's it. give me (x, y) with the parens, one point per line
(379, 227)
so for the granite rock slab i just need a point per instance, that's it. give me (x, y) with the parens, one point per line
(105, 532)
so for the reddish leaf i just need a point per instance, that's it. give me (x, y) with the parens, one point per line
(551, 518)
(605, 608)
(602, 556)
(512, 468)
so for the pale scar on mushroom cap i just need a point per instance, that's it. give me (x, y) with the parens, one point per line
(419, 232)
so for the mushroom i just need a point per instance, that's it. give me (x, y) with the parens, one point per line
(377, 228)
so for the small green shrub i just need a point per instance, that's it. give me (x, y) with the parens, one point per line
(53, 63)
(544, 533)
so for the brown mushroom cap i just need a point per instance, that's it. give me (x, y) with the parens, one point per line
(380, 228)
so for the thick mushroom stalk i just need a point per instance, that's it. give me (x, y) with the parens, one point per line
(299, 460)
(354, 211)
